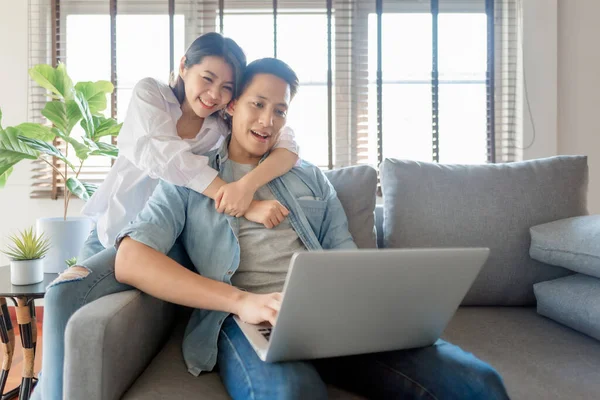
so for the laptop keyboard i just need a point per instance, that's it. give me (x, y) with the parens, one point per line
(266, 332)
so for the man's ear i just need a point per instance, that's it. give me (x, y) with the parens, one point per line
(230, 108)
(182, 66)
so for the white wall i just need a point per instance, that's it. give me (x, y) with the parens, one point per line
(17, 210)
(540, 78)
(579, 86)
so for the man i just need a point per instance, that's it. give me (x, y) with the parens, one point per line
(242, 268)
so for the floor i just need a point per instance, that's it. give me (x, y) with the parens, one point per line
(14, 376)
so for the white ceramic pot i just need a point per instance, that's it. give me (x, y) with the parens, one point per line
(26, 272)
(66, 239)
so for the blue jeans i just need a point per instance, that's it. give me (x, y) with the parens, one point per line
(441, 371)
(67, 295)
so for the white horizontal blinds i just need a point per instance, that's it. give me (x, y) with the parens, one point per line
(120, 41)
(47, 46)
(302, 42)
(350, 83)
(251, 25)
(433, 80)
(508, 81)
(201, 16)
(359, 137)
(42, 42)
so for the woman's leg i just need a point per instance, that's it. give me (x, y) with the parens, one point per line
(91, 246)
(91, 278)
(246, 376)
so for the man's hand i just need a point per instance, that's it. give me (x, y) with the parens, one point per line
(257, 308)
(234, 198)
(270, 213)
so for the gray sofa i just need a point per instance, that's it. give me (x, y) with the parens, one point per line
(128, 345)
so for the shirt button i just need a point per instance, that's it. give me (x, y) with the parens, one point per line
(229, 272)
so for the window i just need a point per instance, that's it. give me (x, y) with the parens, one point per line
(460, 117)
(407, 105)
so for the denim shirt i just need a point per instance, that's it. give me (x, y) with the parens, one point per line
(210, 238)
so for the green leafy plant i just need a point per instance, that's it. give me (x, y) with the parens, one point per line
(27, 246)
(70, 105)
(71, 261)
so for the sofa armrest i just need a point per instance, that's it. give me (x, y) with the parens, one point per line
(110, 341)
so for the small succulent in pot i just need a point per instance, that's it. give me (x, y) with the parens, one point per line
(26, 252)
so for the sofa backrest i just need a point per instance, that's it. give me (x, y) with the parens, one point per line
(356, 188)
(492, 205)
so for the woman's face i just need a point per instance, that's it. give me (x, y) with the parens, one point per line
(208, 85)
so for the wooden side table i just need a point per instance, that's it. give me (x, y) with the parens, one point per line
(23, 298)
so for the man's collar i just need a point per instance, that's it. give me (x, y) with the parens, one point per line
(223, 152)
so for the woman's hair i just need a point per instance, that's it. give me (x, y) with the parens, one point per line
(211, 44)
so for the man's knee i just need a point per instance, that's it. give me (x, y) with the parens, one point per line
(489, 385)
(294, 387)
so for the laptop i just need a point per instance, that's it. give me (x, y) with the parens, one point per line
(347, 302)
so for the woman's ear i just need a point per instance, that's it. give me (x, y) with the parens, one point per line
(182, 67)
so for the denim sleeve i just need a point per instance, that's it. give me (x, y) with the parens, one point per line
(334, 231)
(162, 219)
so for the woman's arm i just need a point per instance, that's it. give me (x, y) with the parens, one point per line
(235, 198)
(149, 140)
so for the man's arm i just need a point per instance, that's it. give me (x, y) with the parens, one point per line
(141, 262)
(152, 272)
(334, 230)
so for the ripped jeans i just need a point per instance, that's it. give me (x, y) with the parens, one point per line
(88, 280)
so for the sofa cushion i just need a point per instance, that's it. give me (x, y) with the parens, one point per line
(492, 205)
(538, 358)
(356, 188)
(573, 243)
(573, 301)
(167, 378)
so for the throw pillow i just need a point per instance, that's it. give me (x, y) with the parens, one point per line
(573, 243)
(572, 301)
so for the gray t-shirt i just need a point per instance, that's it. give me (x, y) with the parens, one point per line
(265, 253)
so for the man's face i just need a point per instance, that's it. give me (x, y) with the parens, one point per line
(259, 114)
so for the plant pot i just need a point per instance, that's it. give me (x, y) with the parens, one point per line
(66, 239)
(26, 272)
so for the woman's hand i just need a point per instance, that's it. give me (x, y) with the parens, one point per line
(234, 198)
(270, 213)
(257, 308)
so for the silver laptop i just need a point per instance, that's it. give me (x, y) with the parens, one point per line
(347, 302)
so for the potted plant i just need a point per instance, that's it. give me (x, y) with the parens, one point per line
(71, 105)
(26, 254)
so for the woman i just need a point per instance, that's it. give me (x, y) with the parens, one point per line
(165, 130)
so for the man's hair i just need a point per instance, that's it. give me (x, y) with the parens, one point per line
(271, 66)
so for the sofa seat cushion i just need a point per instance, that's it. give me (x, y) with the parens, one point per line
(167, 378)
(573, 300)
(572, 243)
(490, 205)
(538, 358)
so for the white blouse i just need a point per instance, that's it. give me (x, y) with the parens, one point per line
(149, 150)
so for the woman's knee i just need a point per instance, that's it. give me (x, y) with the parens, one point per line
(66, 288)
